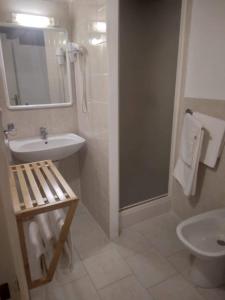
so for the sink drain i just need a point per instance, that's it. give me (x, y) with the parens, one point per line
(221, 242)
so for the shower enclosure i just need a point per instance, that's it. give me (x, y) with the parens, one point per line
(148, 38)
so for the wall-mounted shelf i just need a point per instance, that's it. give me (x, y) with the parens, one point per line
(38, 188)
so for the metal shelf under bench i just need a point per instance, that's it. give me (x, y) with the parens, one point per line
(36, 188)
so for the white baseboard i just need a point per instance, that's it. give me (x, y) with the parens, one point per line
(144, 211)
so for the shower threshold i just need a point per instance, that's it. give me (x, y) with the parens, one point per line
(138, 212)
(143, 202)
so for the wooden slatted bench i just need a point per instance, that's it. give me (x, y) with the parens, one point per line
(37, 188)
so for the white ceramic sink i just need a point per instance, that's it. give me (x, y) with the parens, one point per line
(56, 147)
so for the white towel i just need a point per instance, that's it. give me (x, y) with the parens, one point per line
(35, 239)
(45, 228)
(188, 140)
(186, 169)
(58, 214)
(213, 139)
(58, 218)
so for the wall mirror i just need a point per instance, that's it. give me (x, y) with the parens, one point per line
(35, 68)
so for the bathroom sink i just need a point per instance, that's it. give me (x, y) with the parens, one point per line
(56, 147)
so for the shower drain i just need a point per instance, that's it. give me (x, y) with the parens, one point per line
(221, 242)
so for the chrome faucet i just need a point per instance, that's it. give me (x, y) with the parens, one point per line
(44, 133)
(10, 128)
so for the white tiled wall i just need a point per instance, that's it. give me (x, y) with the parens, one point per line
(93, 125)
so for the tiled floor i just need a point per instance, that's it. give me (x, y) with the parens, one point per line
(147, 262)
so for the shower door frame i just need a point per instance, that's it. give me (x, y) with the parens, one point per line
(113, 115)
(115, 217)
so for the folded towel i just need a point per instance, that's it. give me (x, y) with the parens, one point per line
(45, 228)
(58, 214)
(186, 169)
(35, 239)
(213, 139)
(188, 140)
(38, 245)
(58, 218)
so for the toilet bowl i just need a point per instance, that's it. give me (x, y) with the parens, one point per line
(204, 236)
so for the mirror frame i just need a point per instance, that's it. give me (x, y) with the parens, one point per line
(36, 106)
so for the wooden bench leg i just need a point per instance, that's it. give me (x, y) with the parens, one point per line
(24, 251)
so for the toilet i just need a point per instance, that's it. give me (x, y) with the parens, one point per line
(204, 236)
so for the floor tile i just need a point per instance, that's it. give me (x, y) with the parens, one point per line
(88, 237)
(161, 231)
(82, 289)
(182, 261)
(131, 242)
(212, 294)
(175, 288)
(126, 289)
(150, 268)
(76, 257)
(167, 243)
(66, 275)
(106, 267)
(38, 294)
(167, 220)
